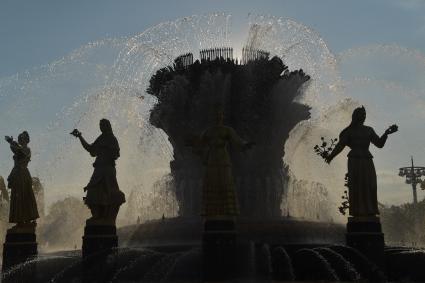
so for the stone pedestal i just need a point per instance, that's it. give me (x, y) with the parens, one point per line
(365, 234)
(219, 250)
(99, 239)
(19, 247)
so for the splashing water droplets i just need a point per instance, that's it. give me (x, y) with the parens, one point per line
(109, 78)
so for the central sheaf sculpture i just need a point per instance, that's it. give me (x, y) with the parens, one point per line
(104, 197)
(259, 98)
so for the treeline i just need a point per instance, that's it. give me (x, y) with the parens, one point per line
(404, 224)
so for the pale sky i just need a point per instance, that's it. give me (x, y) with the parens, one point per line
(37, 32)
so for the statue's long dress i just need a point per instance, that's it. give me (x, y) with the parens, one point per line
(23, 206)
(218, 192)
(362, 185)
(103, 188)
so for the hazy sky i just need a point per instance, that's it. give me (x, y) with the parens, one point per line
(37, 32)
(34, 33)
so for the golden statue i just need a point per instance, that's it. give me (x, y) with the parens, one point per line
(218, 190)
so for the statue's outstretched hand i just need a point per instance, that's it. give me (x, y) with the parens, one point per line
(9, 139)
(391, 129)
(76, 133)
(328, 159)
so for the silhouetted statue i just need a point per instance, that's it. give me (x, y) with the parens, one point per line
(104, 197)
(218, 192)
(23, 206)
(362, 186)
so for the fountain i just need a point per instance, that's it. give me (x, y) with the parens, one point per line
(259, 104)
(263, 102)
(177, 69)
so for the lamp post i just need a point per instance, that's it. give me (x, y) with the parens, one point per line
(413, 176)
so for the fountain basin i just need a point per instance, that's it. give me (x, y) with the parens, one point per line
(276, 231)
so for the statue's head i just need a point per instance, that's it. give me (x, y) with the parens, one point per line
(219, 114)
(359, 116)
(105, 126)
(24, 138)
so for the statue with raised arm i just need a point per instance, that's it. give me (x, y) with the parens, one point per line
(104, 197)
(23, 206)
(218, 190)
(362, 187)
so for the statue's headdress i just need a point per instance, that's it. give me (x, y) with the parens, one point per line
(105, 126)
(24, 136)
(218, 107)
(358, 116)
